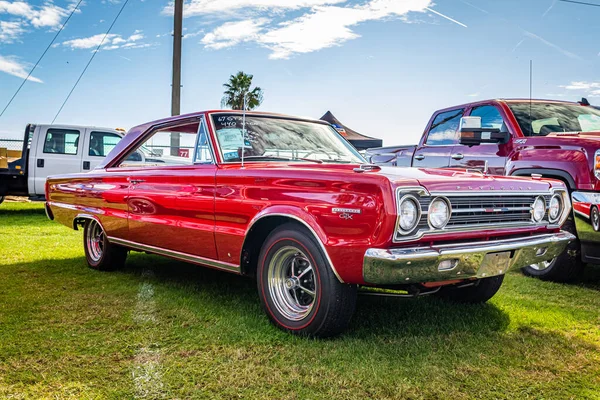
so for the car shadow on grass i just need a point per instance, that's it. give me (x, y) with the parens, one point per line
(6, 210)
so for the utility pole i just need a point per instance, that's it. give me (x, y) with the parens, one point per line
(176, 84)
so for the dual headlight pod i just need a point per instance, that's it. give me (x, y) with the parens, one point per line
(555, 209)
(409, 213)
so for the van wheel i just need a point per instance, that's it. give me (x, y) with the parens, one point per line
(564, 268)
(99, 252)
(483, 290)
(297, 287)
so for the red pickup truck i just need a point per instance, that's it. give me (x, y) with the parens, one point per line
(521, 137)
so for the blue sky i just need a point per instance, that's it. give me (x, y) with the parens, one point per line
(381, 66)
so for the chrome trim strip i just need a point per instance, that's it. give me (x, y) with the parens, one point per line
(176, 254)
(310, 229)
(473, 260)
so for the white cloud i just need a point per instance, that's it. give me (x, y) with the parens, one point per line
(321, 27)
(232, 33)
(202, 7)
(48, 15)
(591, 89)
(10, 31)
(113, 41)
(12, 66)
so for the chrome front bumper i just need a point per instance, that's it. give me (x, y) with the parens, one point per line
(460, 261)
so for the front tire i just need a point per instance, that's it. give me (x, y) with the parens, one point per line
(99, 252)
(297, 287)
(595, 218)
(564, 268)
(483, 290)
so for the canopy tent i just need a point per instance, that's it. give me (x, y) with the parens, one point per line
(361, 142)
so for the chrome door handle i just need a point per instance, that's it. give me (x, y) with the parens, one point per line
(457, 156)
(419, 157)
(136, 181)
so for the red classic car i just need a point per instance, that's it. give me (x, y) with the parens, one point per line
(289, 201)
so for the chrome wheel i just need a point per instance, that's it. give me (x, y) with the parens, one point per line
(541, 266)
(595, 219)
(95, 239)
(292, 283)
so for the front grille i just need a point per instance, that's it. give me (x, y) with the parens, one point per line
(491, 210)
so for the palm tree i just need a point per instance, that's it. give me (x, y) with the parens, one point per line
(238, 87)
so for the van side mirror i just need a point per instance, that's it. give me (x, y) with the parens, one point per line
(472, 134)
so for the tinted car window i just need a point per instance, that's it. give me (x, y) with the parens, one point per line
(101, 143)
(444, 129)
(540, 119)
(61, 141)
(490, 117)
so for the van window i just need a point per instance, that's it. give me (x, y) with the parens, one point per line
(101, 143)
(61, 141)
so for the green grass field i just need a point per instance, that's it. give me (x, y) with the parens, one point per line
(164, 329)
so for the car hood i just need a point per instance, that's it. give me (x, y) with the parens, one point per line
(444, 180)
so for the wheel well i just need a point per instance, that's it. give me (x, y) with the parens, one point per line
(563, 176)
(79, 221)
(255, 238)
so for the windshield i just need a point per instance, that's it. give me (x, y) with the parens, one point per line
(279, 139)
(552, 117)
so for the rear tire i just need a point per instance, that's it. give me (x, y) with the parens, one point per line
(100, 254)
(483, 290)
(297, 287)
(564, 268)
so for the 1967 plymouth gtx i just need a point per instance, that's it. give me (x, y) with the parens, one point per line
(289, 201)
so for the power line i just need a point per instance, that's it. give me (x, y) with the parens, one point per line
(580, 2)
(91, 59)
(40, 59)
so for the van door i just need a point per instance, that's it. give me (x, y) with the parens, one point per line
(59, 152)
(97, 145)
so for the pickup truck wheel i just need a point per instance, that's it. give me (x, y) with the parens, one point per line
(483, 290)
(99, 252)
(297, 288)
(1, 199)
(564, 268)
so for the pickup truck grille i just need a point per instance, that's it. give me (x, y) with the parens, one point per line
(486, 211)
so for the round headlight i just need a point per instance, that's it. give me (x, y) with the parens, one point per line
(538, 209)
(439, 213)
(410, 213)
(555, 209)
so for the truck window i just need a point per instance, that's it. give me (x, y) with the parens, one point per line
(444, 129)
(490, 117)
(101, 143)
(540, 119)
(61, 141)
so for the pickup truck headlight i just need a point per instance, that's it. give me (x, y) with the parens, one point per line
(409, 214)
(439, 213)
(538, 209)
(556, 208)
(597, 164)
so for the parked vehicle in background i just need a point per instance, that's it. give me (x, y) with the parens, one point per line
(50, 150)
(519, 137)
(290, 202)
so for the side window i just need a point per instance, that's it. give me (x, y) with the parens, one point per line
(61, 141)
(444, 129)
(203, 153)
(101, 143)
(165, 147)
(490, 117)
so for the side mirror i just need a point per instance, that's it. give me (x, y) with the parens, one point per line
(472, 134)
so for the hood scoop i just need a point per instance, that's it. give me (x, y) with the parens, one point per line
(367, 167)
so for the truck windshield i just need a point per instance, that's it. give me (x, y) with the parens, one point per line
(280, 139)
(546, 118)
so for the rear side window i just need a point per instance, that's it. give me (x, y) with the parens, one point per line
(101, 143)
(444, 129)
(61, 141)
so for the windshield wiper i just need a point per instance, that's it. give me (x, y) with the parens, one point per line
(336, 160)
(276, 158)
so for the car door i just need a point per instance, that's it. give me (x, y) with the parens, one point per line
(486, 157)
(97, 145)
(439, 140)
(171, 199)
(59, 151)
